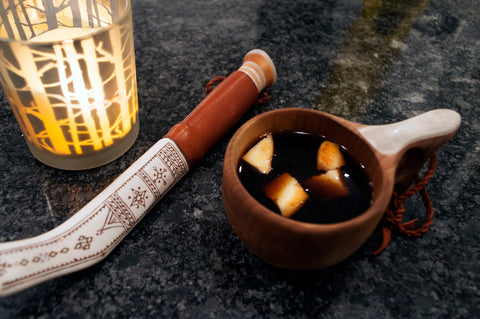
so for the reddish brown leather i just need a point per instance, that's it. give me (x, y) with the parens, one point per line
(214, 116)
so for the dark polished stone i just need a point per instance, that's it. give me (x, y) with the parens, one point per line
(374, 62)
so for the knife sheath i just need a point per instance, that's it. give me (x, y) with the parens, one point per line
(94, 231)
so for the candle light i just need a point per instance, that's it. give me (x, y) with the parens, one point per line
(68, 71)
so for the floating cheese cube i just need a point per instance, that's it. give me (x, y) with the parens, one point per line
(329, 156)
(286, 193)
(328, 185)
(261, 154)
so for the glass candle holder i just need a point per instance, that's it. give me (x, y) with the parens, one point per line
(67, 68)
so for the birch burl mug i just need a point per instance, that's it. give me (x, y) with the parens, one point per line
(391, 154)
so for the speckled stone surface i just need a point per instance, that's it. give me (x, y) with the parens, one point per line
(374, 62)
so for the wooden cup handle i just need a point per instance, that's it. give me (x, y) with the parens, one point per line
(224, 106)
(409, 143)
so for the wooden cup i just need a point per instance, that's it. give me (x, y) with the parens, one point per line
(392, 155)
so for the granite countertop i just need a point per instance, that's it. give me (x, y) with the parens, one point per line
(372, 62)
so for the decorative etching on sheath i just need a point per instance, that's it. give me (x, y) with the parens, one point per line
(160, 175)
(152, 179)
(42, 257)
(84, 242)
(138, 197)
(99, 226)
(112, 221)
(149, 182)
(3, 268)
(121, 211)
(173, 160)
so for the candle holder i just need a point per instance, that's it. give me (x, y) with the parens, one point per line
(68, 71)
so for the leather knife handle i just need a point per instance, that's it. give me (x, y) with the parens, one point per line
(224, 106)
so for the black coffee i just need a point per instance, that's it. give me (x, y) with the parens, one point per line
(296, 153)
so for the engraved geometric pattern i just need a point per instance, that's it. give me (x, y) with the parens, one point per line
(96, 229)
(70, 97)
(84, 242)
(138, 197)
(122, 212)
(171, 160)
(149, 182)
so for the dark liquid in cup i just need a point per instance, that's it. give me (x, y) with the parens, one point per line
(296, 154)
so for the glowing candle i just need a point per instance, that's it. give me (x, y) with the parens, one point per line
(70, 78)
